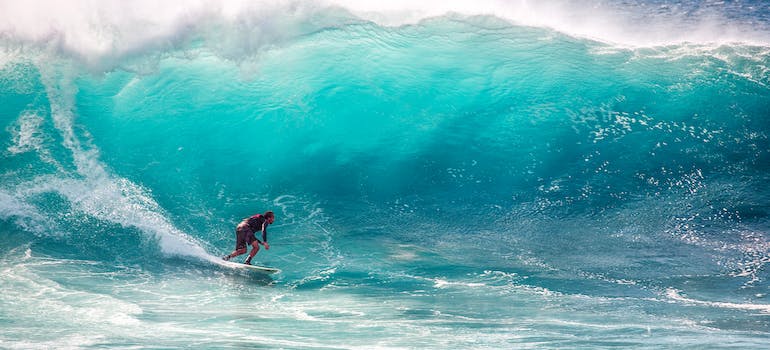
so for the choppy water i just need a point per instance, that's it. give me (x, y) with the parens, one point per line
(445, 175)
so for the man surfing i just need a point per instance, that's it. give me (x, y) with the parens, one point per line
(244, 235)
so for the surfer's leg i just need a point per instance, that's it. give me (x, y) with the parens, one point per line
(240, 244)
(254, 250)
(234, 254)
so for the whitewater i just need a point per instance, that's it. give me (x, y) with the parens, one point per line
(445, 175)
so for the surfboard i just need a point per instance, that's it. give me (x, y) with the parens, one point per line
(257, 268)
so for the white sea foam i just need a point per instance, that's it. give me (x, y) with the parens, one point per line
(26, 136)
(442, 283)
(32, 292)
(677, 295)
(92, 189)
(97, 29)
(123, 202)
(24, 215)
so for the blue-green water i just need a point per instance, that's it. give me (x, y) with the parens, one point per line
(464, 180)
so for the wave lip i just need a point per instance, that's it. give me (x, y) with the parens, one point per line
(95, 31)
(627, 23)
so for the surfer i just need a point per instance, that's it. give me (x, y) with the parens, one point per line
(244, 234)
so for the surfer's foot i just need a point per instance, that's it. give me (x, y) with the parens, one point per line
(226, 258)
(247, 262)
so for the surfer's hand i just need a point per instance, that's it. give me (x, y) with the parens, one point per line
(267, 246)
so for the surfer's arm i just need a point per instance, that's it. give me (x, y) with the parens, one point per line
(264, 236)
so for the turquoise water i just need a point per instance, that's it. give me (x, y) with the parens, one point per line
(460, 180)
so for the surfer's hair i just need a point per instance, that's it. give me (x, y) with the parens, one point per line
(269, 214)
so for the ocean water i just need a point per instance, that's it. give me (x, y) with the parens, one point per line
(445, 175)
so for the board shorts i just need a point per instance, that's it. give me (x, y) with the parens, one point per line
(244, 236)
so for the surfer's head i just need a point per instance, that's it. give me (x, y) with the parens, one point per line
(269, 216)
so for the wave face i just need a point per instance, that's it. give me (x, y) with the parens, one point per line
(444, 175)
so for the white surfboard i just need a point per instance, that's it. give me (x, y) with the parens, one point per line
(261, 269)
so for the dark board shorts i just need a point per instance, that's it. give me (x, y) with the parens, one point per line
(244, 236)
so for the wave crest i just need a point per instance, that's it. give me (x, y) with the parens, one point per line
(107, 30)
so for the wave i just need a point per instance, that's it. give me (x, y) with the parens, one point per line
(548, 140)
(423, 157)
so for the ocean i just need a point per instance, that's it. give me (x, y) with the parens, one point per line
(445, 175)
